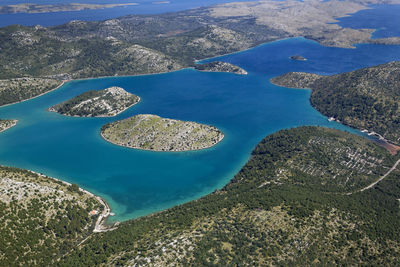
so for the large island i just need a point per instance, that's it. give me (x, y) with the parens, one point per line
(151, 132)
(108, 102)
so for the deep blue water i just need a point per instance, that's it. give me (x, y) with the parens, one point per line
(135, 182)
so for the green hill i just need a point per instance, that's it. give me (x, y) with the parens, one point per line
(368, 98)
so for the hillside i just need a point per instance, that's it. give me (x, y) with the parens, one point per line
(19, 89)
(41, 219)
(368, 98)
(108, 102)
(151, 132)
(296, 202)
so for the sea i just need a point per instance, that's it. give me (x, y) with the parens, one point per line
(245, 107)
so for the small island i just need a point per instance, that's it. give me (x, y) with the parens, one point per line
(7, 124)
(218, 66)
(298, 58)
(151, 132)
(97, 103)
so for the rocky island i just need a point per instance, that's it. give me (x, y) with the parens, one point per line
(367, 99)
(6, 124)
(298, 57)
(151, 132)
(218, 66)
(108, 102)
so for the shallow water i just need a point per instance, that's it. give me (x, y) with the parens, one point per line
(135, 182)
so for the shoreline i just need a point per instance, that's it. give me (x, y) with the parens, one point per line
(14, 122)
(152, 150)
(100, 225)
(51, 90)
(50, 109)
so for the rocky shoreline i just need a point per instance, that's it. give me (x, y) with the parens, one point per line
(151, 132)
(7, 124)
(101, 103)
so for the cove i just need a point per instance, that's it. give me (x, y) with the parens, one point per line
(135, 182)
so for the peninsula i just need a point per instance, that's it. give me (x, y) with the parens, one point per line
(218, 66)
(367, 99)
(151, 132)
(108, 102)
(6, 124)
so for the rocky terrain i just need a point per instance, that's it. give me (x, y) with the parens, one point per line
(20, 89)
(368, 98)
(6, 124)
(108, 102)
(151, 132)
(41, 219)
(297, 202)
(218, 66)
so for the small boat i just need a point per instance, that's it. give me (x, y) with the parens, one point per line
(331, 119)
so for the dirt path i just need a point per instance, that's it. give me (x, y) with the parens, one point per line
(377, 181)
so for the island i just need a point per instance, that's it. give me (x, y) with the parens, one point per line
(108, 102)
(218, 66)
(7, 124)
(367, 99)
(307, 196)
(151, 132)
(298, 57)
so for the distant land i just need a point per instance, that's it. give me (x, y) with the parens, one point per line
(367, 99)
(147, 44)
(108, 102)
(151, 132)
(36, 8)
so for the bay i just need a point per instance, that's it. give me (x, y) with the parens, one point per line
(245, 107)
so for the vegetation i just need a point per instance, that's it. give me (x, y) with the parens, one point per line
(152, 132)
(97, 103)
(40, 218)
(368, 98)
(6, 124)
(280, 209)
(218, 66)
(19, 89)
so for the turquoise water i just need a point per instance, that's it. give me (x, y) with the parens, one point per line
(135, 182)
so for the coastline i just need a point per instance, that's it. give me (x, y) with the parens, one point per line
(62, 83)
(381, 141)
(101, 116)
(12, 125)
(175, 151)
(100, 225)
